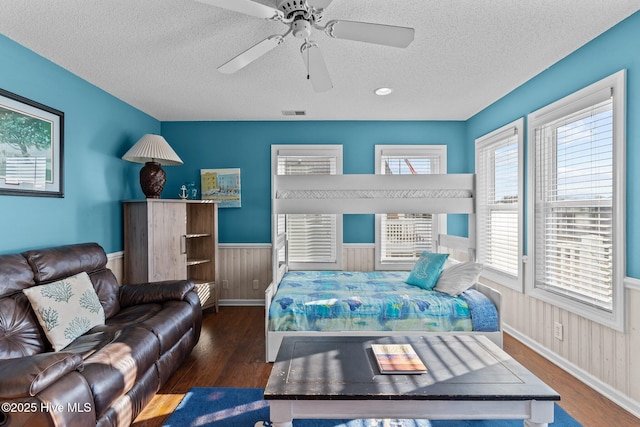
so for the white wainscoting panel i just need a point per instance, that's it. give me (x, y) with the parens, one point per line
(115, 262)
(358, 257)
(605, 359)
(239, 266)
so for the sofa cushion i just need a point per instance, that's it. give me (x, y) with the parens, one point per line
(66, 309)
(115, 369)
(172, 358)
(92, 341)
(133, 315)
(20, 333)
(107, 288)
(15, 274)
(71, 394)
(170, 324)
(156, 292)
(28, 376)
(124, 410)
(64, 261)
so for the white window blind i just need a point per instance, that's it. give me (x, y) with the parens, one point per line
(577, 174)
(312, 238)
(403, 237)
(499, 204)
(574, 205)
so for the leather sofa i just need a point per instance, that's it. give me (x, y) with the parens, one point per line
(106, 376)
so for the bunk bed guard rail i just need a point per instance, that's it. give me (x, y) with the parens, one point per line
(371, 194)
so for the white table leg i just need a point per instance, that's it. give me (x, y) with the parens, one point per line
(281, 413)
(541, 414)
(528, 423)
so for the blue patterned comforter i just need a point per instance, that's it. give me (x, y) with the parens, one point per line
(373, 301)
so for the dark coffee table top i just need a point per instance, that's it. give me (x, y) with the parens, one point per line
(461, 367)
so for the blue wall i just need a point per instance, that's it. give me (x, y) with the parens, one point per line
(614, 50)
(98, 130)
(247, 145)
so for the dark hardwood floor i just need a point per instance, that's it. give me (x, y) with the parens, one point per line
(231, 353)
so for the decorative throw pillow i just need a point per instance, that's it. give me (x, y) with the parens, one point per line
(458, 278)
(426, 270)
(66, 309)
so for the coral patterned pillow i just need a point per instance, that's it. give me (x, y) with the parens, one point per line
(66, 309)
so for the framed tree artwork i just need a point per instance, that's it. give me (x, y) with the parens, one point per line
(31, 147)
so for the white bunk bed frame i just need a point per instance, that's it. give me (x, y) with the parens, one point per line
(371, 194)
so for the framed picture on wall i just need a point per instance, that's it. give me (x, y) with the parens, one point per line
(221, 185)
(31, 147)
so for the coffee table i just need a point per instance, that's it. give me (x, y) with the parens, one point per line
(468, 377)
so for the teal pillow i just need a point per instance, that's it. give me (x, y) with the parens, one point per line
(427, 269)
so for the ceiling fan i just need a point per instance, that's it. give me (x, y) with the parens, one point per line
(301, 16)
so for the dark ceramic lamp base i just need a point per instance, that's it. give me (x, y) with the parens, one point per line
(152, 179)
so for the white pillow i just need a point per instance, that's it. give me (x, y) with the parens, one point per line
(66, 309)
(457, 278)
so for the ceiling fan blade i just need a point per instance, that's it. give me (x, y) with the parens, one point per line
(319, 4)
(247, 7)
(250, 55)
(388, 35)
(316, 67)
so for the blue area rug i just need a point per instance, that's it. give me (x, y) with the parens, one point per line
(244, 407)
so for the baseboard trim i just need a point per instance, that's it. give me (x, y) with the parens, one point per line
(598, 385)
(242, 302)
(115, 255)
(632, 283)
(269, 245)
(244, 245)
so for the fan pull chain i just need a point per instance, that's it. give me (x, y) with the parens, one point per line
(306, 41)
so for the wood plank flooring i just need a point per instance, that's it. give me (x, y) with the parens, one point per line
(230, 353)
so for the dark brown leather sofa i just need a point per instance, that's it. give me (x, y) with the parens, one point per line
(106, 376)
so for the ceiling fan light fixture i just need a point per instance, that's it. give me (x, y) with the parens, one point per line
(383, 91)
(301, 29)
(302, 17)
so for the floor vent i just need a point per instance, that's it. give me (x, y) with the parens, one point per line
(294, 113)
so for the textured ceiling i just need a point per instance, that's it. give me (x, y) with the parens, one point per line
(161, 56)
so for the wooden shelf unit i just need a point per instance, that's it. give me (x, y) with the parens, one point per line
(172, 240)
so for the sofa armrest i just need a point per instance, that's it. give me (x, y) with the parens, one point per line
(29, 375)
(155, 292)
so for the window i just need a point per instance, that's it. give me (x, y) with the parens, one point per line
(401, 238)
(577, 173)
(314, 241)
(499, 188)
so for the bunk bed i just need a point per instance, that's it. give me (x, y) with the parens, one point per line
(370, 194)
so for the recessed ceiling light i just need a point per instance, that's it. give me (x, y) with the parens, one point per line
(382, 91)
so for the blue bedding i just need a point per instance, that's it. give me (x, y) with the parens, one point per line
(373, 301)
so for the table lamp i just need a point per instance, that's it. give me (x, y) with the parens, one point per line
(154, 151)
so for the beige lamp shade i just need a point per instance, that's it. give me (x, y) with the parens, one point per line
(152, 148)
(153, 151)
